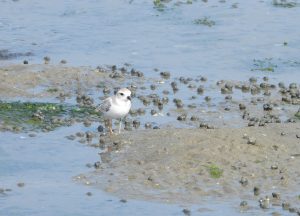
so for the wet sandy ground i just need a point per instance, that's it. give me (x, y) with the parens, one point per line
(173, 165)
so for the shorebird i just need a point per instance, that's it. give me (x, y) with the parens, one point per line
(116, 107)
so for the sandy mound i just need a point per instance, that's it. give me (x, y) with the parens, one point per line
(178, 164)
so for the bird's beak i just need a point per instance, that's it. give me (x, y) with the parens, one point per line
(129, 98)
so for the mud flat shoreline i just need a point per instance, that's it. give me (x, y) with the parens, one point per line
(243, 140)
(182, 165)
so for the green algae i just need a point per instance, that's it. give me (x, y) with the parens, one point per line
(26, 116)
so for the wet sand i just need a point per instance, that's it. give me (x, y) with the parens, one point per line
(172, 165)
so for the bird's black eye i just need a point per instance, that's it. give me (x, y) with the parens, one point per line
(122, 94)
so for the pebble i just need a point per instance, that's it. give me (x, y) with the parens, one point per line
(243, 204)
(244, 181)
(256, 191)
(242, 106)
(276, 195)
(186, 212)
(71, 137)
(207, 98)
(267, 107)
(251, 123)
(123, 200)
(285, 205)
(203, 79)
(194, 118)
(80, 134)
(46, 59)
(21, 184)
(136, 124)
(100, 128)
(89, 194)
(63, 61)
(165, 75)
(97, 165)
(228, 97)
(251, 141)
(182, 117)
(148, 125)
(32, 135)
(264, 203)
(253, 79)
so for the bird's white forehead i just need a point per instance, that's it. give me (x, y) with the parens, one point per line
(125, 91)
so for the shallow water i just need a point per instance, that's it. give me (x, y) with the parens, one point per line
(46, 165)
(105, 32)
(115, 32)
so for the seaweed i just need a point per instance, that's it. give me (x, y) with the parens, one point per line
(26, 116)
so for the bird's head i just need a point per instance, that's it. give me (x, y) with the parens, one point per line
(124, 94)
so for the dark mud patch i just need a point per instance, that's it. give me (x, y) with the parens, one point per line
(190, 165)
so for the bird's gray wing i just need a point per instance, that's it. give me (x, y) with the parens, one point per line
(104, 106)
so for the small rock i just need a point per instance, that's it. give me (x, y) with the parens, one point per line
(264, 203)
(251, 141)
(207, 98)
(256, 191)
(244, 181)
(97, 165)
(89, 194)
(276, 195)
(21, 184)
(186, 212)
(243, 204)
(100, 128)
(182, 117)
(286, 205)
(123, 201)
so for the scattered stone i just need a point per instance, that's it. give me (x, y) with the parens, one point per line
(264, 203)
(186, 212)
(244, 181)
(207, 98)
(165, 75)
(21, 184)
(244, 204)
(123, 200)
(148, 125)
(80, 134)
(276, 195)
(97, 165)
(100, 128)
(256, 191)
(286, 205)
(251, 141)
(182, 117)
(267, 107)
(89, 194)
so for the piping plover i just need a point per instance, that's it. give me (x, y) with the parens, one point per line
(116, 107)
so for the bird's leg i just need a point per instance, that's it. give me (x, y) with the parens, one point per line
(120, 125)
(110, 127)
